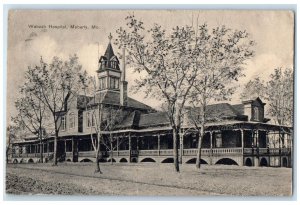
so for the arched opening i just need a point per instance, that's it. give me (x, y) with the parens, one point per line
(134, 160)
(113, 160)
(68, 160)
(21, 161)
(193, 161)
(86, 160)
(168, 160)
(30, 161)
(15, 161)
(284, 162)
(248, 162)
(263, 162)
(227, 161)
(148, 160)
(123, 160)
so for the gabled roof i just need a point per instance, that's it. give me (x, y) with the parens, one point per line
(131, 121)
(154, 119)
(239, 108)
(220, 111)
(113, 98)
(138, 120)
(252, 100)
(82, 101)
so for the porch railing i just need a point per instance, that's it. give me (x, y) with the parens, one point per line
(169, 152)
(267, 151)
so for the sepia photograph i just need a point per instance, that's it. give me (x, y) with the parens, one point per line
(150, 103)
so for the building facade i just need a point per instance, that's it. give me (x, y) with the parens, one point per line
(133, 132)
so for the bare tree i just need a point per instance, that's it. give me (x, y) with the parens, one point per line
(280, 93)
(56, 85)
(253, 89)
(11, 136)
(219, 55)
(32, 113)
(103, 119)
(164, 64)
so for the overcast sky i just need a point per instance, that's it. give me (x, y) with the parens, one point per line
(273, 32)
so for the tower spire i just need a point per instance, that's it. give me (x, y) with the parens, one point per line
(110, 37)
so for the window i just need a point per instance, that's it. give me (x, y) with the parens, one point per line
(256, 113)
(88, 119)
(114, 83)
(93, 119)
(102, 83)
(72, 120)
(63, 123)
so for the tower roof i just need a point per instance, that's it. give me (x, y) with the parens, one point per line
(109, 60)
(109, 53)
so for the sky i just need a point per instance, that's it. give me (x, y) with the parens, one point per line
(273, 32)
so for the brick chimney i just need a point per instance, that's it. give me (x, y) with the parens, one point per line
(124, 83)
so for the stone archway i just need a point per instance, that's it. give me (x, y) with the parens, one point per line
(123, 160)
(86, 160)
(248, 162)
(227, 161)
(284, 162)
(30, 161)
(263, 162)
(193, 161)
(148, 160)
(168, 160)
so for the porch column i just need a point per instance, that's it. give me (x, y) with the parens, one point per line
(252, 138)
(129, 148)
(257, 138)
(65, 145)
(72, 145)
(117, 145)
(47, 147)
(211, 147)
(158, 144)
(280, 146)
(254, 146)
(242, 140)
(20, 150)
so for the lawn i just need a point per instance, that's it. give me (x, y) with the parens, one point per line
(147, 179)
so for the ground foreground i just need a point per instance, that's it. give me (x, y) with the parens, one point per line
(147, 179)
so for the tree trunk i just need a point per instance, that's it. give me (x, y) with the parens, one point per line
(98, 155)
(55, 149)
(41, 151)
(198, 161)
(175, 148)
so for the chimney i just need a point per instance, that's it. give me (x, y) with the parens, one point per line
(124, 83)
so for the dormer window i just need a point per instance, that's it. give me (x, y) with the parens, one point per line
(63, 123)
(72, 120)
(256, 114)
